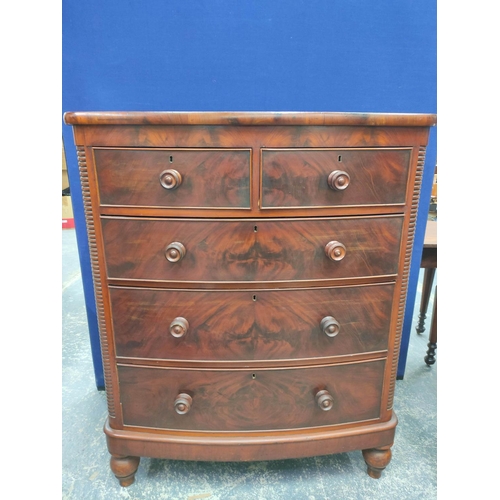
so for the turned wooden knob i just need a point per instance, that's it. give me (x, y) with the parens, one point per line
(179, 327)
(335, 250)
(170, 179)
(183, 403)
(330, 326)
(324, 400)
(338, 180)
(175, 252)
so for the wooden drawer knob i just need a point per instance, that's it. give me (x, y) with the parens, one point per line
(175, 252)
(335, 250)
(179, 327)
(183, 403)
(324, 400)
(338, 180)
(170, 179)
(330, 326)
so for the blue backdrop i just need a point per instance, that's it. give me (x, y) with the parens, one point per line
(262, 55)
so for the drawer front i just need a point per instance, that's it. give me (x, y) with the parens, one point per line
(251, 250)
(300, 177)
(201, 178)
(224, 400)
(252, 324)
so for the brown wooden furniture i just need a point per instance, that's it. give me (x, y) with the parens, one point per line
(250, 274)
(429, 264)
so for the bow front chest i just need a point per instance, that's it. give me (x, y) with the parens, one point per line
(250, 274)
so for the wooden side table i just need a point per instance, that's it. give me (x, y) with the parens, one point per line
(429, 263)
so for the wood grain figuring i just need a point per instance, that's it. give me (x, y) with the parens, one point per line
(299, 177)
(210, 178)
(251, 250)
(250, 325)
(208, 136)
(96, 276)
(250, 400)
(247, 118)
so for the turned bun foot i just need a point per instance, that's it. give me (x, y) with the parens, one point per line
(124, 468)
(377, 460)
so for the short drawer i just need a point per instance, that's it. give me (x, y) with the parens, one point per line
(334, 177)
(184, 178)
(251, 250)
(247, 325)
(239, 400)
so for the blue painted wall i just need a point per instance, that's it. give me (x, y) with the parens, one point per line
(222, 55)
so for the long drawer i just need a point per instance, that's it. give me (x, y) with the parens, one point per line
(224, 400)
(251, 250)
(252, 324)
(187, 178)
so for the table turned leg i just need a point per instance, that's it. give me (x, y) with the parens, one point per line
(426, 293)
(430, 358)
(124, 468)
(377, 459)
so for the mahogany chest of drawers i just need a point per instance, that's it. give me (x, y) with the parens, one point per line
(250, 274)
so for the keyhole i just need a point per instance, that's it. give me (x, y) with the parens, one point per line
(172, 159)
(254, 376)
(255, 229)
(340, 157)
(254, 298)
